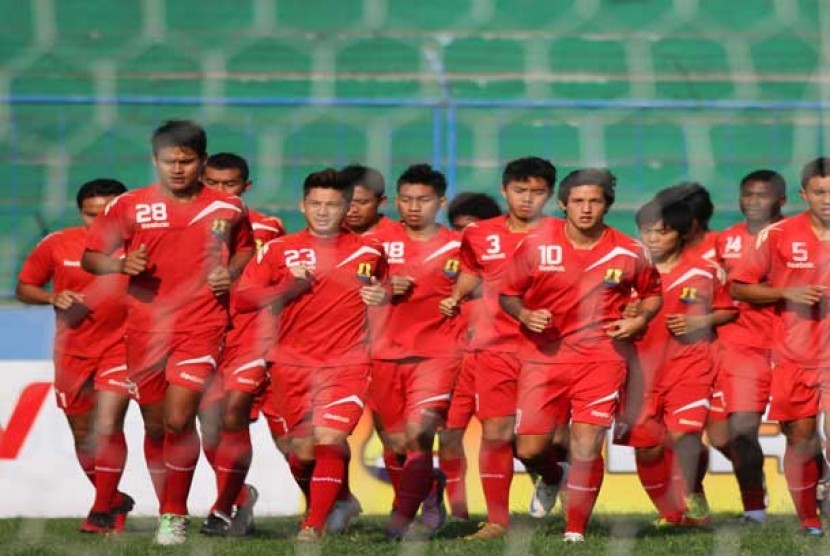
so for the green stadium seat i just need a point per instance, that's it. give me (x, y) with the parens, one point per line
(115, 154)
(53, 74)
(540, 133)
(413, 141)
(16, 32)
(528, 14)
(323, 15)
(358, 59)
(97, 30)
(478, 55)
(785, 53)
(427, 14)
(211, 25)
(603, 61)
(684, 69)
(260, 63)
(626, 16)
(160, 70)
(736, 16)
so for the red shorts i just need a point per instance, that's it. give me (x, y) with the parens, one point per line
(745, 377)
(263, 405)
(679, 408)
(186, 359)
(497, 383)
(407, 390)
(308, 397)
(241, 369)
(798, 392)
(77, 378)
(550, 393)
(463, 402)
(717, 399)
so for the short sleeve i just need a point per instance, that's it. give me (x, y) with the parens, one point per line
(39, 266)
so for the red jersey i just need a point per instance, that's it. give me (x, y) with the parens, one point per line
(694, 287)
(184, 242)
(413, 325)
(707, 248)
(486, 248)
(384, 228)
(584, 289)
(246, 327)
(789, 253)
(87, 330)
(326, 326)
(753, 328)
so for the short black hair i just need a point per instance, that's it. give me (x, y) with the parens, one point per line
(101, 187)
(371, 179)
(773, 178)
(327, 179)
(184, 134)
(816, 168)
(601, 177)
(674, 216)
(426, 175)
(229, 161)
(697, 196)
(522, 169)
(479, 205)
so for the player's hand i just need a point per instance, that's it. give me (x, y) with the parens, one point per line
(401, 284)
(374, 294)
(219, 280)
(685, 324)
(804, 295)
(626, 328)
(65, 299)
(449, 306)
(135, 262)
(535, 321)
(631, 310)
(301, 272)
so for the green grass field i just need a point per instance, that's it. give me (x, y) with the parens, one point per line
(613, 535)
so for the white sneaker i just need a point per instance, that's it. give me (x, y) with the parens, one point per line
(172, 529)
(544, 495)
(341, 514)
(573, 537)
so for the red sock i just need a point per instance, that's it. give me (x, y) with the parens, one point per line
(233, 459)
(111, 455)
(181, 453)
(702, 469)
(584, 482)
(455, 469)
(802, 474)
(415, 483)
(656, 478)
(326, 482)
(154, 456)
(302, 471)
(495, 461)
(394, 467)
(87, 460)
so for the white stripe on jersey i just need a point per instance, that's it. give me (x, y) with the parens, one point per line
(449, 246)
(613, 253)
(363, 250)
(213, 207)
(691, 273)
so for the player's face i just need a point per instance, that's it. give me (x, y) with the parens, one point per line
(759, 202)
(460, 222)
(526, 199)
(660, 240)
(817, 194)
(363, 211)
(91, 207)
(228, 180)
(585, 207)
(418, 205)
(178, 168)
(324, 210)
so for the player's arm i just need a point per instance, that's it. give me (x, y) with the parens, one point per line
(534, 320)
(242, 248)
(38, 270)
(764, 294)
(465, 287)
(680, 325)
(630, 327)
(266, 282)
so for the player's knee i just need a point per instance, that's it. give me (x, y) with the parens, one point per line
(178, 424)
(451, 445)
(498, 429)
(528, 451)
(650, 454)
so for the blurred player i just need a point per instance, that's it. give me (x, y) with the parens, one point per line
(486, 248)
(321, 279)
(241, 374)
(701, 240)
(791, 268)
(91, 382)
(567, 283)
(185, 244)
(417, 354)
(676, 364)
(744, 356)
(364, 216)
(465, 209)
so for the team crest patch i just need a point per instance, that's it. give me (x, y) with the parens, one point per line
(613, 277)
(451, 268)
(364, 272)
(220, 227)
(688, 295)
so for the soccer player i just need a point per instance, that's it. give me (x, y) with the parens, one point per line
(185, 244)
(365, 217)
(416, 355)
(91, 382)
(465, 209)
(743, 353)
(675, 362)
(567, 284)
(491, 359)
(790, 269)
(701, 239)
(241, 374)
(322, 279)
